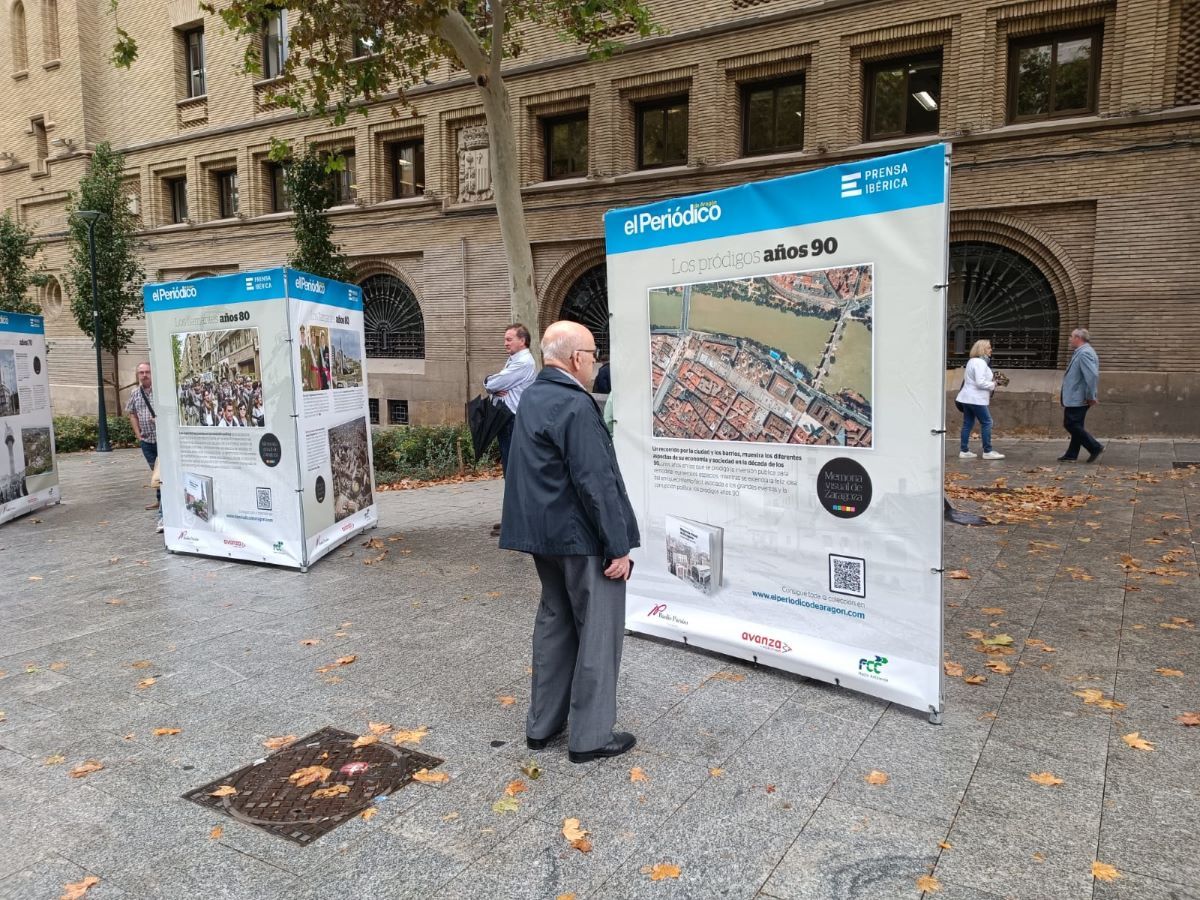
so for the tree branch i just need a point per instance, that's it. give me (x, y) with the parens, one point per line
(456, 31)
(497, 36)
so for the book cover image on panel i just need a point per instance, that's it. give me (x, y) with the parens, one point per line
(694, 553)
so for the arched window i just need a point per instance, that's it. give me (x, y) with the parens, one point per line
(998, 295)
(587, 303)
(392, 320)
(20, 55)
(49, 30)
(52, 298)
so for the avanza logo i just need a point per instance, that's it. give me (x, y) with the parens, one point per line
(767, 642)
(232, 543)
(873, 666)
(306, 284)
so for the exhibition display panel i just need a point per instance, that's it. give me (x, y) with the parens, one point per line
(261, 405)
(778, 376)
(28, 471)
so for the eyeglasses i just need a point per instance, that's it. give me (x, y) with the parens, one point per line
(594, 353)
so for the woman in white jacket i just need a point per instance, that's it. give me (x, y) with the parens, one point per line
(974, 397)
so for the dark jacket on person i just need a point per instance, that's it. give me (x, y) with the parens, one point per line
(563, 492)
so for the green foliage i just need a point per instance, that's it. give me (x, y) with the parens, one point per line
(119, 273)
(17, 248)
(422, 452)
(309, 189)
(75, 433)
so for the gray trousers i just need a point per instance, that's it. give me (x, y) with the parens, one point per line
(577, 640)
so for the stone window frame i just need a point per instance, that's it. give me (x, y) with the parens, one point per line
(380, 187)
(1096, 63)
(343, 141)
(881, 44)
(255, 192)
(636, 90)
(205, 198)
(161, 174)
(185, 89)
(1035, 17)
(536, 109)
(50, 36)
(745, 70)
(869, 94)
(18, 34)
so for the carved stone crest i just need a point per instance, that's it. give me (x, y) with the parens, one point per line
(474, 164)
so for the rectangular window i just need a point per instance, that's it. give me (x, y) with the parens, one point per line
(365, 43)
(193, 61)
(342, 186)
(408, 168)
(227, 193)
(773, 116)
(904, 96)
(274, 44)
(281, 197)
(565, 140)
(373, 410)
(397, 412)
(177, 194)
(1053, 75)
(662, 133)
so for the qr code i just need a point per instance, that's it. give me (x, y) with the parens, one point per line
(264, 497)
(847, 575)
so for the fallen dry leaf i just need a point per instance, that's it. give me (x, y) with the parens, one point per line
(999, 640)
(141, 664)
(309, 775)
(215, 834)
(976, 679)
(999, 666)
(146, 682)
(163, 732)
(379, 728)
(57, 666)
(565, 897)
(276, 743)
(426, 777)
(1104, 872)
(365, 740)
(54, 760)
(1169, 673)
(225, 790)
(1188, 718)
(1047, 779)
(1136, 741)
(876, 777)
(507, 701)
(310, 642)
(516, 786)
(76, 889)
(86, 768)
(945, 845)
(1094, 697)
(929, 884)
(659, 871)
(953, 669)
(572, 830)
(338, 663)
(532, 770)
(334, 790)
(727, 676)
(993, 610)
(410, 737)
(583, 845)
(637, 773)
(716, 773)
(369, 813)
(958, 574)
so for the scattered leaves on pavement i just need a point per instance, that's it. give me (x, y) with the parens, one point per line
(76, 889)
(278, 743)
(141, 664)
(146, 682)
(659, 871)
(309, 775)
(572, 830)
(1169, 673)
(716, 773)
(415, 736)
(727, 676)
(928, 883)
(953, 669)
(225, 790)
(506, 805)
(365, 740)
(583, 845)
(1104, 872)
(976, 679)
(338, 663)
(369, 813)
(55, 759)
(380, 728)
(1046, 779)
(426, 777)
(164, 732)
(999, 640)
(514, 787)
(215, 834)
(334, 790)
(876, 777)
(1136, 741)
(637, 773)
(999, 666)
(1094, 697)
(945, 845)
(1188, 718)
(373, 544)
(993, 610)
(86, 768)
(959, 574)
(507, 701)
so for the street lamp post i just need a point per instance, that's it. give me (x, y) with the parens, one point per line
(90, 216)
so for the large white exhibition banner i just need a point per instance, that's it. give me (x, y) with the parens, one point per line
(250, 452)
(28, 474)
(778, 364)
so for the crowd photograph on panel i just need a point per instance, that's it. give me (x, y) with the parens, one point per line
(219, 379)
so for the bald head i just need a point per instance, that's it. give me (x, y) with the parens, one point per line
(562, 339)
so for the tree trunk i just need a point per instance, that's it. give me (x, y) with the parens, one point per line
(505, 164)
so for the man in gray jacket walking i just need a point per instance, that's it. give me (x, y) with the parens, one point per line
(1079, 394)
(565, 503)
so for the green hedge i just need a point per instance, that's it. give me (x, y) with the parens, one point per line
(74, 433)
(423, 452)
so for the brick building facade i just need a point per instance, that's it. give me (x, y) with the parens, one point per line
(1075, 180)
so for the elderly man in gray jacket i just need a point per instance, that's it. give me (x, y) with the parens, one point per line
(565, 503)
(1079, 394)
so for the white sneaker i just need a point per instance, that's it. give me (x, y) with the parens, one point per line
(159, 527)
(992, 454)
(967, 454)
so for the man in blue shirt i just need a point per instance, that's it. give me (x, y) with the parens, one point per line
(1079, 394)
(509, 384)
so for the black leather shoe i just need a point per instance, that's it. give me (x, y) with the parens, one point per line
(543, 743)
(1068, 459)
(622, 742)
(1092, 457)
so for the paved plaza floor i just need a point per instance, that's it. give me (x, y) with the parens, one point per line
(755, 782)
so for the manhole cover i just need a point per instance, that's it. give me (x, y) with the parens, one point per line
(267, 799)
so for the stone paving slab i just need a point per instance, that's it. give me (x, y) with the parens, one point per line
(754, 781)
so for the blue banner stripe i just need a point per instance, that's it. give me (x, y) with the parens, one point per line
(21, 323)
(867, 187)
(246, 287)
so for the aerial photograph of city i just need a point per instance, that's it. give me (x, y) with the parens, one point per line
(781, 358)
